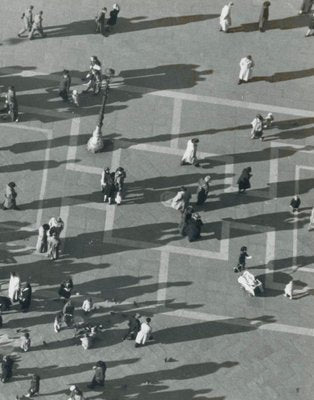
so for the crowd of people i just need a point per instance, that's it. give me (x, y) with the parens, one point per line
(112, 187)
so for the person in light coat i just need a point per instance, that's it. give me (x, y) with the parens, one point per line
(144, 334)
(181, 199)
(257, 127)
(225, 17)
(246, 69)
(27, 18)
(14, 287)
(189, 156)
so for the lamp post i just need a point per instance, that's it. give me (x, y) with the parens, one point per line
(96, 142)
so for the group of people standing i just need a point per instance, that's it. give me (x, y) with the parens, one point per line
(49, 238)
(112, 185)
(102, 26)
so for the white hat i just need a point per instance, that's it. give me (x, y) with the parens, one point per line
(115, 6)
(72, 388)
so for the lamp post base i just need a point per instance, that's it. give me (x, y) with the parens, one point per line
(96, 142)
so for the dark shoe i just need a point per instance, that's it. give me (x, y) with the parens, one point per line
(240, 81)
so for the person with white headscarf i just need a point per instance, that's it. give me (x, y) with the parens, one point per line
(225, 17)
(189, 156)
(246, 69)
(14, 287)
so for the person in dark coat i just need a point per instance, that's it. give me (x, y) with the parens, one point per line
(99, 375)
(25, 297)
(64, 86)
(112, 20)
(34, 388)
(5, 303)
(66, 288)
(242, 259)
(134, 325)
(244, 180)
(185, 218)
(100, 21)
(311, 25)
(264, 15)
(13, 109)
(193, 227)
(306, 6)
(295, 203)
(7, 369)
(202, 190)
(10, 197)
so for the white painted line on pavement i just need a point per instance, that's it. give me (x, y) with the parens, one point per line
(84, 168)
(44, 180)
(273, 172)
(269, 259)
(163, 277)
(176, 123)
(26, 127)
(253, 324)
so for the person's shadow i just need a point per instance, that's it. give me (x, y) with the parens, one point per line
(124, 25)
(284, 76)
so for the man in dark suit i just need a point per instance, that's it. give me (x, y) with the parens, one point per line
(64, 86)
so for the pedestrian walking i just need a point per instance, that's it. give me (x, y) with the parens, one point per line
(310, 31)
(246, 69)
(14, 287)
(99, 375)
(107, 184)
(311, 224)
(100, 21)
(120, 176)
(10, 197)
(42, 243)
(34, 386)
(194, 227)
(75, 393)
(25, 342)
(75, 98)
(257, 127)
(37, 27)
(53, 246)
(306, 6)
(56, 225)
(25, 297)
(244, 180)
(27, 18)
(94, 76)
(264, 16)
(113, 17)
(295, 203)
(12, 105)
(185, 217)
(225, 18)
(6, 368)
(57, 323)
(189, 156)
(289, 290)
(87, 305)
(134, 326)
(181, 200)
(202, 190)
(144, 334)
(64, 86)
(242, 259)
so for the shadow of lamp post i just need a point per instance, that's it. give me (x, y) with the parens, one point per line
(96, 143)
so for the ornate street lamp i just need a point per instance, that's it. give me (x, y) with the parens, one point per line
(96, 142)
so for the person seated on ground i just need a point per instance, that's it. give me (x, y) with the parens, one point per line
(193, 228)
(295, 203)
(186, 216)
(202, 190)
(87, 305)
(65, 289)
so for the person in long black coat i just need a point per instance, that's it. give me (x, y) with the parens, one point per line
(244, 180)
(264, 15)
(306, 6)
(185, 218)
(112, 20)
(134, 325)
(6, 367)
(202, 190)
(64, 86)
(193, 228)
(25, 297)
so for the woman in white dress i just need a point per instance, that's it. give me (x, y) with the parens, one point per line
(181, 199)
(189, 156)
(14, 287)
(225, 17)
(144, 334)
(246, 69)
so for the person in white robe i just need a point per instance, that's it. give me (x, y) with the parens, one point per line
(14, 287)
(246, 69)
(225, 17)
(144, 334)
(289, 290)
(189, 156)
(181, 199)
